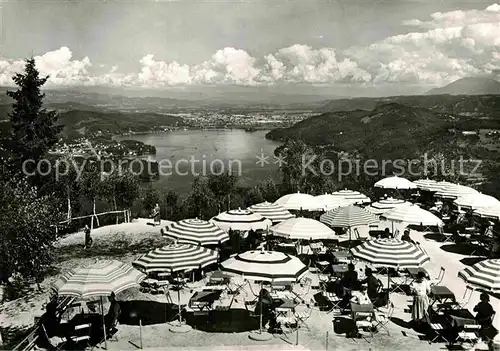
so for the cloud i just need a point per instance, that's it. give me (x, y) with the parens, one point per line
(433, 51)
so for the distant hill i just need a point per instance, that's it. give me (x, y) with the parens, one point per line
(469, 86)
(114, 122)
(478, 105)
(389, 131)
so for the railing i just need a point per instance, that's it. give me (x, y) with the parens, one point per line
(28, 343)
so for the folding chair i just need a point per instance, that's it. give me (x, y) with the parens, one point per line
(365, 323)
(333, 300)
(440, 276)
(469, 335)
(440, 331)
(447, 237)
(166, 292)
(397, 234)
(382, 319)
(359, 237)
(81, 334)
(302, 315)
(303, 288)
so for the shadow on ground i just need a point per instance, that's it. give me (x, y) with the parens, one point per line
(459, 249)
(148, 312)
(117, 248)
(231, 321)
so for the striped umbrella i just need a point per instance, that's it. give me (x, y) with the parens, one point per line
(302, 228)
(492, 212)
(475, 201)
(454, 191)
(427, 184)
(242, 220)
(347, 217)
(299, 201)
(100, 278)
(413, 215)
(197, 232)
(266, 266)
(385, 205)
(274, 212)
(391, 253)
(352, 196)
(395, 182)
(483, 275)
(330, 202)
(175, 258)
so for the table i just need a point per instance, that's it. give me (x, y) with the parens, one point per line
(342, 256)
(218, 277)
(441, 294)
(357, 309)
(286, 306)
(459, 318)
(204, 299)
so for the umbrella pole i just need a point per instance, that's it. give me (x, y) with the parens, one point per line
(179, 304)
(260, 323)
(103, 324)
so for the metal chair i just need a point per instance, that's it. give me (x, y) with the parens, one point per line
(469, 335)
(382, 319)
(301, 315)
(447, 237)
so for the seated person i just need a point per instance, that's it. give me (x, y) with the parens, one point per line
(350, 279)
(387, 234)
(361, 297)
(406, 237)
(111, 318)
(373, 284)
(484, 312)
(50, 328)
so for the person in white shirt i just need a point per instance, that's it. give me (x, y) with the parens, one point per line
(421, 290)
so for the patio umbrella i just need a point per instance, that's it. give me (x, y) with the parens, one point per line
(492, 212)
(427, 184)
(412, 215)
(299, 201)
(483, 275)
(454, 191)
(97, 279)
(176, 257)
(380, 207)
(274, 212)
(391, 253)
(330, 202)
(268, 266)
(475, 201)
(242, 220)
(302, 228)
(196, 231)
(352, 196)
(348, 217)
(395, 182)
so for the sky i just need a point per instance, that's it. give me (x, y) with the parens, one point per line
(344, 47)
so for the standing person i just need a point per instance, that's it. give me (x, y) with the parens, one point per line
(373, 284)
(156, 215)
(88, 238)
(485, 313)
(421, 290)
(111, 318)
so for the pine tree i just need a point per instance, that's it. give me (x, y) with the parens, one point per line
(34, 129)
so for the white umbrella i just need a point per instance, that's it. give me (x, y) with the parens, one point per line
(347, 217)
(330, 202)
(492, 212)
(274, 212)
(268, 266)
(299, 201)
(242, 220)
(427, 184)
(413, 215)
(476, 201)
(302, 228)
(454, 191)
(395, 182)
(196, 231)
(352, 196)
(380, 207)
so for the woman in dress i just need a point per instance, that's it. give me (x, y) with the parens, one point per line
(421, 290)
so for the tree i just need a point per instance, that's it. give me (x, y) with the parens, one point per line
(33, 129)
(25, 230)
(200, 201)
(223, 187)
(92, 183)
(121, 190)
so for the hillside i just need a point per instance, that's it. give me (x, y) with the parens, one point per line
(389, 131)
(479, 105)
(114, 122)
(469, 86)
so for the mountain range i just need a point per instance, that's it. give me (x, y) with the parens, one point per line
(469, 86)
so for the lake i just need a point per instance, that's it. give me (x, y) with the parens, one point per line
(183, 154)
